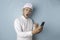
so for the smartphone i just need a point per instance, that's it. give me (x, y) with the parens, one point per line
(42, 24)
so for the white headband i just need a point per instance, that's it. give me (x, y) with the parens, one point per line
(28, 5)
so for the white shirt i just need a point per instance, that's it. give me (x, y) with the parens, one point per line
(23, 28)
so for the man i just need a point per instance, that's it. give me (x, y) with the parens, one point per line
(24, 26)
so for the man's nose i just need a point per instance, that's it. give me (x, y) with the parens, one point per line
(27, 11)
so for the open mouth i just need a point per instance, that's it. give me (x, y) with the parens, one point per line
(27, 14)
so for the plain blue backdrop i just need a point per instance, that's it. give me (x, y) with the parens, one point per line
(44, 10)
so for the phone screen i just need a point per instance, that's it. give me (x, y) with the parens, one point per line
(42, 24)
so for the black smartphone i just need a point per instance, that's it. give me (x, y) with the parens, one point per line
(42, 24)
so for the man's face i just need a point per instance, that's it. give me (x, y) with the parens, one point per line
(27, 12)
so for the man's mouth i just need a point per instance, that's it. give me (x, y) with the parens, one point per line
(27, 14)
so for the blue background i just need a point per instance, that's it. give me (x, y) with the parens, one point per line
(44, 10)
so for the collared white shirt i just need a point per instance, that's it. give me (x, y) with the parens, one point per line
(23, 28)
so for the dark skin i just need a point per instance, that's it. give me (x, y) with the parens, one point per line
(26, 13)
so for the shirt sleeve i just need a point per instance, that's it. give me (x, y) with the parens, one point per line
(18, 29)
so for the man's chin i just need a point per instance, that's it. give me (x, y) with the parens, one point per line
(27, 16)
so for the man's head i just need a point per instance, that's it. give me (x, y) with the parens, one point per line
(27, 10)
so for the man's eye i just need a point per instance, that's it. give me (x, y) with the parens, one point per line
(30, 10)
(26, 9)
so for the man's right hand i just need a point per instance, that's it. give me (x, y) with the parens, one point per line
(37, 30)
(35, 25)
